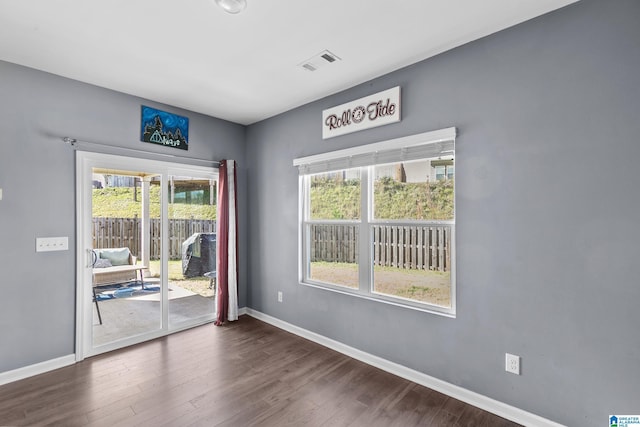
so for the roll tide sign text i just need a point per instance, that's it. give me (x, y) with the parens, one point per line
(374, 110)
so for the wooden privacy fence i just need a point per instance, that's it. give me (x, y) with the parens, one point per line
(125, 232)
(425, 247)
(334, 243)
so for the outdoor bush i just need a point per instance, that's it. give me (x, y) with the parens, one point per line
(336, 199)
(413, 200)
(118, 202)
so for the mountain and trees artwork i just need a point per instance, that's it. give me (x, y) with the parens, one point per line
(160, 127)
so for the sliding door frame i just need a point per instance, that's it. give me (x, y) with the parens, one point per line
(85, 163)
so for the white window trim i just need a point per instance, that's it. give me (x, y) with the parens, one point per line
(448, 134)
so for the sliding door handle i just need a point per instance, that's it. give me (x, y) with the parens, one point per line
(92, 257)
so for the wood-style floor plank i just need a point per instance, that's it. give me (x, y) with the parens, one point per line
(247, 373)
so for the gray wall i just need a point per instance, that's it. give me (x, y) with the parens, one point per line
(548, 115)
(37, 290)
(547, 204)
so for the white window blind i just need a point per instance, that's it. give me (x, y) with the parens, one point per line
(432, 144)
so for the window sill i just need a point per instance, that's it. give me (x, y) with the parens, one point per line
(450, 313)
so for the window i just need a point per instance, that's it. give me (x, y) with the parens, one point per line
(334, 212)
(443, 169)
(378, 221)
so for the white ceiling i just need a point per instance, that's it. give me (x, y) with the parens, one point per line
(242, 68)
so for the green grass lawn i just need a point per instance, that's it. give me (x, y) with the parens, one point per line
(199, 285)
(175, 270)
(432, 287)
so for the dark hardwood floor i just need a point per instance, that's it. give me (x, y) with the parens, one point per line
(244, 374)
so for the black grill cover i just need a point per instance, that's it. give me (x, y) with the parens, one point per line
(199, 254)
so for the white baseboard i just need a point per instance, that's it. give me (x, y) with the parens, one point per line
(483, 402)
(38, 368)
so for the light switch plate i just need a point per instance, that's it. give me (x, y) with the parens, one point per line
(48, 244)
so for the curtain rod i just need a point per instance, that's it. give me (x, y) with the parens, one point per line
(77, 144)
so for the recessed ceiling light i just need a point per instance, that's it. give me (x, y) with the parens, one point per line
(232, 6)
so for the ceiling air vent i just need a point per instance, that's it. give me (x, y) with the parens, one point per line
(318, 61)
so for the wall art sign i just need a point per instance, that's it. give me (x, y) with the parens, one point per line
(374, 110)
(160, 127)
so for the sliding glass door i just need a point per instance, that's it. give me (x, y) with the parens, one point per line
(125, 212)
(192, 248)
(146, 249)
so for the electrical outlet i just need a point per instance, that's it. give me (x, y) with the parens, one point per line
(512, 363)
(279, 296)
